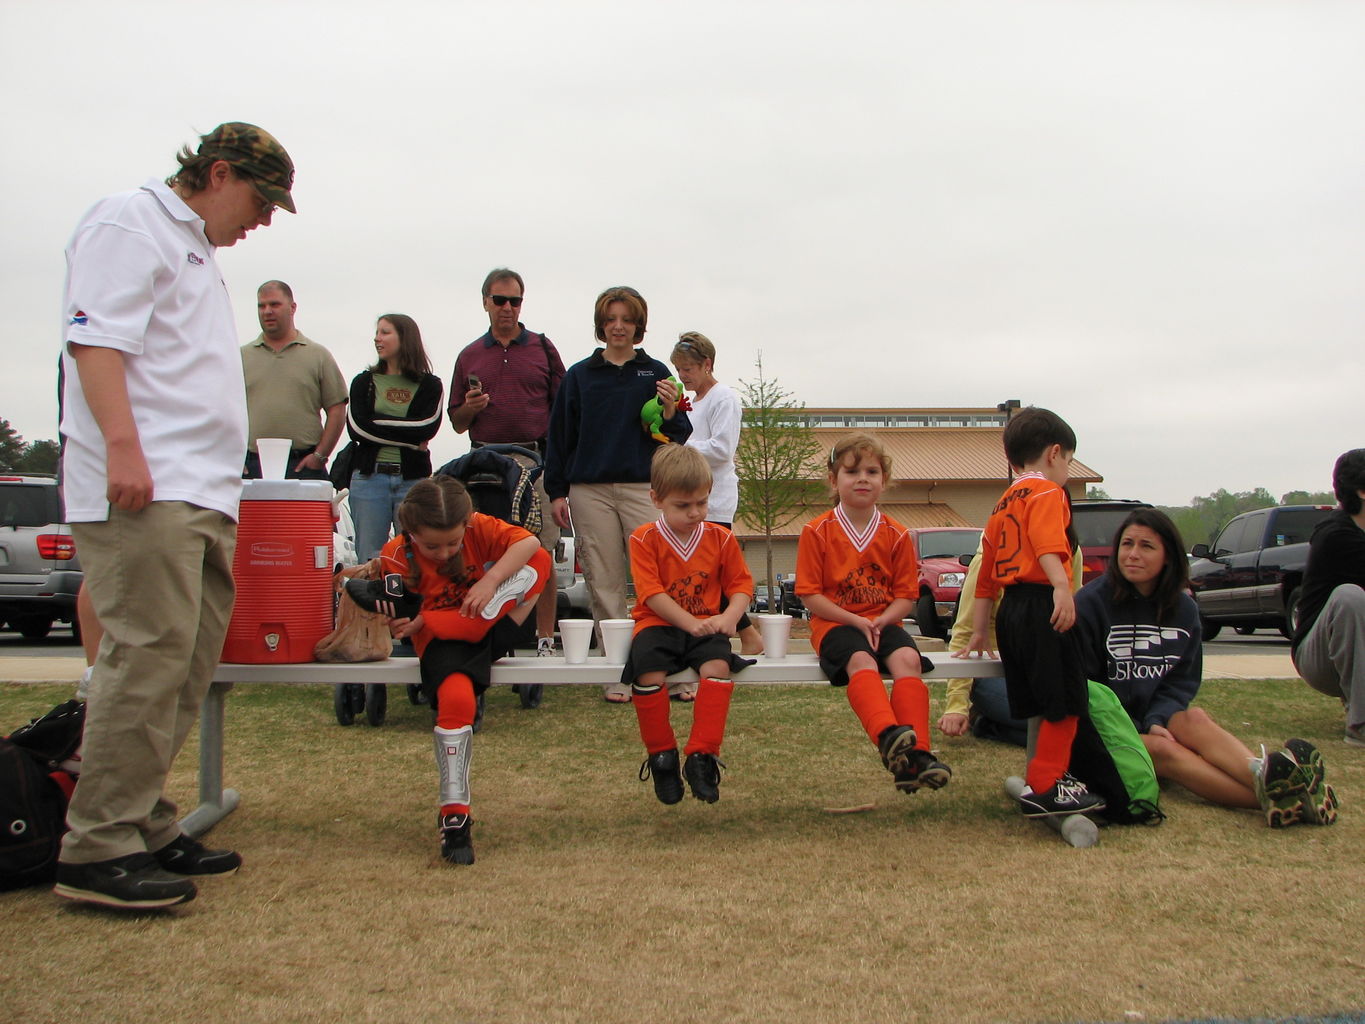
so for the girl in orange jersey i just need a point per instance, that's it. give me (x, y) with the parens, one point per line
(476, 576)
(856, 573)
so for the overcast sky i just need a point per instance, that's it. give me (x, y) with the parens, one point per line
(1148, 216)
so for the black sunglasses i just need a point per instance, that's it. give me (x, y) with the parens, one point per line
(502, 300)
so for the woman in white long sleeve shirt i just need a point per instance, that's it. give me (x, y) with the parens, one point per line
(716, 416)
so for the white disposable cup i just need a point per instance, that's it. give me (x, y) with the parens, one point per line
(576, 636)
(274, 453)
(776, 631)
(616, 634)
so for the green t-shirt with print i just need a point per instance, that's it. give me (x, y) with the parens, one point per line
(392, 395)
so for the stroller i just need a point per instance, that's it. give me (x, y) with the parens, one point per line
(501, 486)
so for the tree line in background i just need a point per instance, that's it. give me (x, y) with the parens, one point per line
(1200, 520)
(38, 457)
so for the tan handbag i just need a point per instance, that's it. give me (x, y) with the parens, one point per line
(359, 635)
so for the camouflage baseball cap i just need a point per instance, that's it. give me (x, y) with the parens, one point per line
(256, 153)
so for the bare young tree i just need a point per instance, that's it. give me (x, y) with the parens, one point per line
(777, 460)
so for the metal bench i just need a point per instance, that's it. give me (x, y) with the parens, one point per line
(216, 802)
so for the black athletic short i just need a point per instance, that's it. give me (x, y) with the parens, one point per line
(669, 649)
(442, 657)
(1044, 674)
(843, 642)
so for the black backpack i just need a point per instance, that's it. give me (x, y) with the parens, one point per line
(499, 485)
(33, 794)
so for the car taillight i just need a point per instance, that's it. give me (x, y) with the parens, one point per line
(1092, 566)
(57, 546)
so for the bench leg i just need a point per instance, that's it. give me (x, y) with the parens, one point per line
(215, 802)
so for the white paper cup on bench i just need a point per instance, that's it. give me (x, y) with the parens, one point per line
(274, 455)
(576, 636)
(616, 634)
(776, 631)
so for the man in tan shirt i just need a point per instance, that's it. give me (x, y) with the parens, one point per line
(290, 380)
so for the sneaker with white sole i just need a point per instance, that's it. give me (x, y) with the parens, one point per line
(1280, 789)
(132, 882)
(1068, 795)
(510, 591)
(924, 771)
(1319, 799)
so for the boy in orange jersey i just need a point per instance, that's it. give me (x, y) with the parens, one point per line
(691, 587)
(1026, 548)
(856, 573)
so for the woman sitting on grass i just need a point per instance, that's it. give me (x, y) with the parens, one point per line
(1139, 633)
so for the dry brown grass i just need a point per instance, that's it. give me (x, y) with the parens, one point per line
(591, 901)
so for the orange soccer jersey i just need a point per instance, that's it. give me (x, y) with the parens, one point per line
(486, 539)
(1029, 521)
(861, 572)
(700, 575)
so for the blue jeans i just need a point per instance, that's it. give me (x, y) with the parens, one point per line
(374, 505)
(992, 706)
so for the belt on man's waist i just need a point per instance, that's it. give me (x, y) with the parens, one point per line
(536, 446)
(389, 468)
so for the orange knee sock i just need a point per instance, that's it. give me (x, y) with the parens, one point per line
(651, 711)
(1052, 754)
(708, 716)
(867, 697)
(910, 702)
(455, 705)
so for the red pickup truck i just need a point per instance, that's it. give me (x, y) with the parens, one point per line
(939, 551)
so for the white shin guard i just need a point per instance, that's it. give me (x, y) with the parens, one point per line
(452, 761)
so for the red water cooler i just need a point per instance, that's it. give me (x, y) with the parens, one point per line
(283, 571)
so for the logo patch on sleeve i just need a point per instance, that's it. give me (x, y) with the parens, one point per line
(80, 319)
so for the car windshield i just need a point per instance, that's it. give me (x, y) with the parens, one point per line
(948, 543)
(1095, 527)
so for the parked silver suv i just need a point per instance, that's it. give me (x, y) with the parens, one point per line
(39, 571)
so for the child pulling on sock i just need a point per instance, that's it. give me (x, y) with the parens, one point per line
(691, 587)
(475, 578)
(1026, 548)
(856, 573)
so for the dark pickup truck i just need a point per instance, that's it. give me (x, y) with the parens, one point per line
(1250, 575)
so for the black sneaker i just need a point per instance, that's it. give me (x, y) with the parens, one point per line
(387, 596)
(668, 786)
(1068, 795)
(895, 745)
(702, 772)
(925, 771)
(457, 845)
(184, 856)
(134, 882)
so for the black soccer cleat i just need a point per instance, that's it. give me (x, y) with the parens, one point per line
(1068, 795)
(388, 596)
(702, 772)
(896, 744)
(668, 785)
(457, 845)
(924, 771)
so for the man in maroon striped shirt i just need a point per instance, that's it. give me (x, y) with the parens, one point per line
(502, 390)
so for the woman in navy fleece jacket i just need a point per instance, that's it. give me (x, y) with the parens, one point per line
(598, 453)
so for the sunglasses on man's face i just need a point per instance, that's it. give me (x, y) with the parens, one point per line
(502, 300)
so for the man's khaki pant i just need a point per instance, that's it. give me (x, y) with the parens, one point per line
(161, 584)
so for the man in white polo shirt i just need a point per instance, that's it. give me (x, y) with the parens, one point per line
(155, 426)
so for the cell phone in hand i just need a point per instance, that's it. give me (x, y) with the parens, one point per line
(474, 383)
